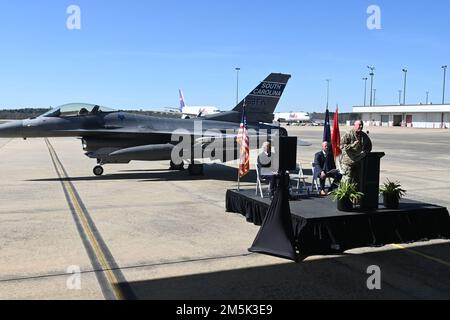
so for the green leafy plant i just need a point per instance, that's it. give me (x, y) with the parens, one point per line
(347, 190)
(392, 189)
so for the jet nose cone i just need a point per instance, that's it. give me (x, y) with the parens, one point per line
(11, 129)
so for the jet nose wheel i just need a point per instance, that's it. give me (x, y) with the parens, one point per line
(174, 166)
(98, 170)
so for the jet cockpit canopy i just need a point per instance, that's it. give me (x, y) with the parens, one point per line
(77, 109)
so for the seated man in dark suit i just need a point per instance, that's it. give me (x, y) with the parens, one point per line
(326, 168)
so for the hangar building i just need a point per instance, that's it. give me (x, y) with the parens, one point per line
(414, 116)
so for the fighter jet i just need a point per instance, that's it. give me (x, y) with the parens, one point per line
(111, 136)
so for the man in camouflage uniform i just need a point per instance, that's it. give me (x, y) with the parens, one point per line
(355, 145)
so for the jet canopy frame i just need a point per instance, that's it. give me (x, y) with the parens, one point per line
(77, 109)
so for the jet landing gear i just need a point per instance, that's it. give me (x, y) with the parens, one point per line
(195, 169)
(98, 170)
(176, 167)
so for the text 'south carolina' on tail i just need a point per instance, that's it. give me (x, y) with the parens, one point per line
(260, 103)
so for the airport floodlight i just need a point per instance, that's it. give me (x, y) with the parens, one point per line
(371, 74)
(365, 90)
(404, 86)
(443, 87)
(237, 84)
(328, 90)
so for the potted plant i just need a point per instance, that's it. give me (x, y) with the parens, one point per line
(346, 195)
(392, 193)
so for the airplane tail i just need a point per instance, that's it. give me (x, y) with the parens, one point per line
(182, 104)
(260, 103)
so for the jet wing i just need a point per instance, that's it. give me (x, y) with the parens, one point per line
(112, 131)
(140, 130)
(210, 137)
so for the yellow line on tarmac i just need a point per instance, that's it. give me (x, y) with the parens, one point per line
(423, 255)
(4, 145)
(87, 229)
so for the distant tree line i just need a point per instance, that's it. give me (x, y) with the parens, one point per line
(163, 114)
(20, 114)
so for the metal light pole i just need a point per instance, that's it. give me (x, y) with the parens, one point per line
(328, 91)
(400, 97)
(372, 68)
(237, 85)
(404, 86)
(365, 90)
(374, 96)
(443, 90)
(427, 97)
(443, 95)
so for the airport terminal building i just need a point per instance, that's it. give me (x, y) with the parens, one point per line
(414, 116)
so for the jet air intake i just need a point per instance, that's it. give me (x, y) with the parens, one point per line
(13, 129)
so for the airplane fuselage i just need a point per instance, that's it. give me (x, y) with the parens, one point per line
(120, 125)
(119, 137)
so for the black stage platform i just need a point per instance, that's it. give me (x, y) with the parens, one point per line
(320, 228)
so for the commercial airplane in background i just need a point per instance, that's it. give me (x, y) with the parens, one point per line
(111, 136)
(292, 117)
(195, 111)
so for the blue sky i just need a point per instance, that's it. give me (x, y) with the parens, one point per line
(137, 53)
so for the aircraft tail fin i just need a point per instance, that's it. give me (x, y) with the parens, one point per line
(261, 102)
(182, 104)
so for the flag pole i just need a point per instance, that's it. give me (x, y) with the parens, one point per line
(239, 176)
(239, 171)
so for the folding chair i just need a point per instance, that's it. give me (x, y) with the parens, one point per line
(315, 177)
(258, 179)
(301, 178)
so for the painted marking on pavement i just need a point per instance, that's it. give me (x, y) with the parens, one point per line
(4, 145)
(99, 254)
(423, 255)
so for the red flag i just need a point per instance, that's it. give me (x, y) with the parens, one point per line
(336, 136)
(244, 160)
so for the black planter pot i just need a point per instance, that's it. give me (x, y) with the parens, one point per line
(345, 204)
(390, 201)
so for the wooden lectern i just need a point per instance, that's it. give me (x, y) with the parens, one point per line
(369, 183)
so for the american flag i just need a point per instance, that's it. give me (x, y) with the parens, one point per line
(242, 138)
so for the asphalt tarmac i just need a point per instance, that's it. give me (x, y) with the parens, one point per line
(141, 231)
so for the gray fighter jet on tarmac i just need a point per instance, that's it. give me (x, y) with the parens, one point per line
(119, 137)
